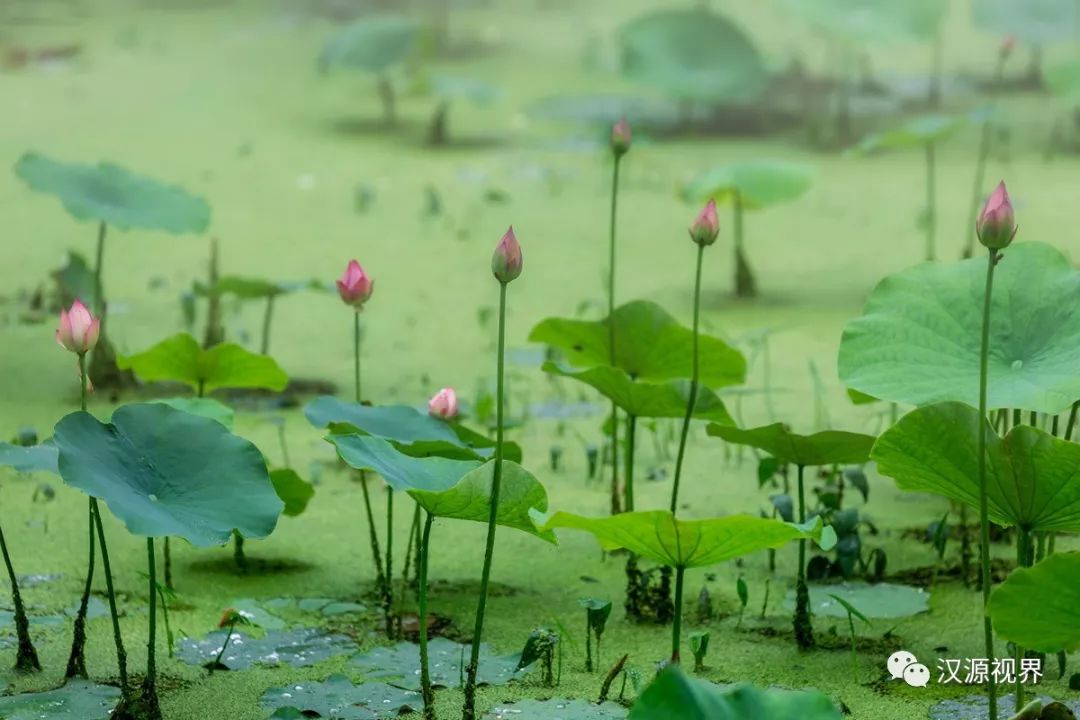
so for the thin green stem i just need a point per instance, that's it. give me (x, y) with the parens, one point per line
(388, 586)
(1072, 420)
(984, 512)
(118, 639)
(373, 537)
(224, 646)
(469, 711)
(804, 631)
(931, 202)
(426, 690)
(692, 400)
(1023, 559)
(26, 660)
(676, 625)
(76, 666)
(356, 354)
(631, 436)
(268, 317)
(151, 642)
(611, 333)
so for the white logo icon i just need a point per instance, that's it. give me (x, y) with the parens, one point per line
(905, 666)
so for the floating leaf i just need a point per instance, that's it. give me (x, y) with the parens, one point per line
(76, 700)
(293, 490)
(449, 87)
(882, 600)
(254, 613)
(164, 472)
(1032, 478)
(673, 694)
(651, 346)
(35, 458)
(203, 407)
(400, 664)
(930, 316)
(373, 44)
(1039, 607)
(110, 194)
(556, 709)
(692, 54)
(256, 288)
(298, 648)
(648, 400)
(181, 359)
(662, 538)
(337, 698)
(914, 133)
(757, 183)
(830, 447)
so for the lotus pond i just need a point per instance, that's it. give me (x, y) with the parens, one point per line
(514, 359)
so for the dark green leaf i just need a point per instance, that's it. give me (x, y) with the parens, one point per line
(35, 458)
(830, 447)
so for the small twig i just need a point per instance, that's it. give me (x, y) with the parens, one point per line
(612, 674)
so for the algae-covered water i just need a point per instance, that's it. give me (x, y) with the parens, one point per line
(224, 99)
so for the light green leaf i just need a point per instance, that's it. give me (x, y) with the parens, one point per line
(692, 54)
(293, 490)
(165, 472)
(372, 44)
(650, 346)
(203, 407)
(401, 471)
(1038, 608)
(108, 193)
(181, 359)
(831, 447)
(256, 288)
(1033, 479)
(879, 600)
(664, 539)
(647, 400)
(757, 183)
(914, 133)
(673, 694)
(930, 316)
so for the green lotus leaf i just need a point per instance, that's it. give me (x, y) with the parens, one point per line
(1033, 21)
(674, 694)
(692, 54)
(1033, 478)
(878, 600)
(372, 44)
(165, 472)
(450, 87)
(647, 400)
(914, 133)
(294, 491)
(757, 183)
(399, 470)
(76, 700)
(650, 346)
(873, 21)
(180, 358)
(203, 407)
(1039, 607)
(256, 288)
(665, 539)
(338, 698)
(34, 458)
(556, 709)
(831, 447)
(930, 316)
(108, 193)
(411, 431)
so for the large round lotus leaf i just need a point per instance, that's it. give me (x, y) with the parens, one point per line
(180, 358)
(674, 694)
(76, 700)
(918, 339)
(663, 538)
(110, 194)
(917, 132)
(650, 346)
(372, 44)
(757, 183)
(35, 458)
(1033, 21)
(692, 54)
(165, 472)
(648, 400)
(882, 600)
(831, 447)
(873, 21)
(1039, 608)
(1033, 479)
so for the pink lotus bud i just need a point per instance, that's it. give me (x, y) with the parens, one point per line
(706, 225)
(620, 137)
(79, 330)
(506, 262)
(1008, 44)
(355, 286)
(996, 225)
(443, 404)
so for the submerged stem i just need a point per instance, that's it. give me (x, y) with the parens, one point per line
(984, 512)
(692, 400)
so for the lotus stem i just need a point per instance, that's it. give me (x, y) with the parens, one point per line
(931, 202)
(611, 333)
(469, 710)
(984, 512)
(692, 400)
(745, 286)
(268, 316)
(426, 690)
(1023, 560)
(373, 537)
(26, 659)
(676, 625)
(631, 436)
(76, 666)
(118, 639)
(1071, 424)
(804, 630)
(149, 699)
(224, 646)
(239, 558)
(388, 586)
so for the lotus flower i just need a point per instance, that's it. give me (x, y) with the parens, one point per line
(506, 262)
(355, 286)
(79, 330)
(620, 137)
(706, 225)
(443, 404)
(996, 226)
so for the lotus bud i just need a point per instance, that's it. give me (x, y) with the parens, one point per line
(1008, 44)
(506, 262)
(230, 617)
(79, 330)
(620, 138)
(996, 225)
(355, 287)
(443, 404)
(706, 225)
